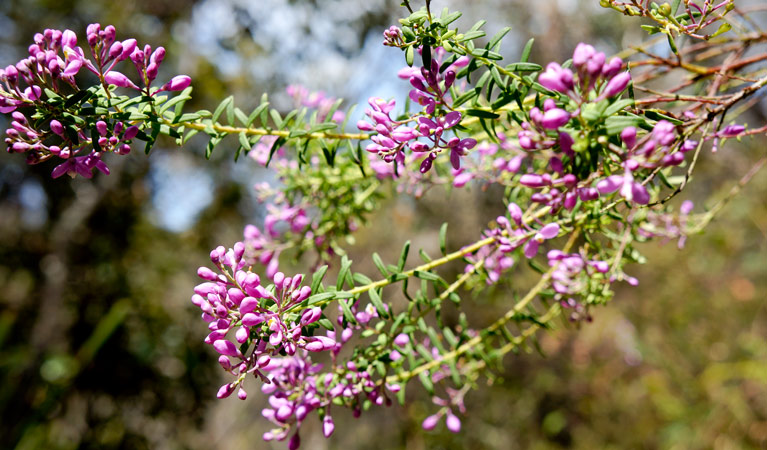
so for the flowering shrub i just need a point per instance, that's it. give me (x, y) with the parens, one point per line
(587, 157)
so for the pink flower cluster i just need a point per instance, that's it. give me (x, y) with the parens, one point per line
(233, 300)
(54, 61)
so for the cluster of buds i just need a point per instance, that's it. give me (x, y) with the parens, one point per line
(393, 37)
(594, 76)
(264, 321)
(668, 226)
(654, 150)
(563, 191)
(537, 134)
(509, 236)
(430, 89)
(47, 75)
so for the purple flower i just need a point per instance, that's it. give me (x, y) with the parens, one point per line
(118, 79)
(554, 118)
(556, 78)
(617, 84)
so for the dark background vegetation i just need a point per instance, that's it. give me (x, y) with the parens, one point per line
(101, 348)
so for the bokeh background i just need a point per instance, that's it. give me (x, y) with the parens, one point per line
(101, 348)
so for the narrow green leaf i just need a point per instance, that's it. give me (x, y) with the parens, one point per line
(526, 51)
(443, 238)
(523, 67)
(244, 141)
(482, 113)
(345, 307)
(380, 264)
(275, 146)
(276, 118)
(375, 299)
(496, 40)
(403, 256)
(221, 108)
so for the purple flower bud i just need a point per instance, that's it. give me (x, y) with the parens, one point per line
(328, 426)
(731, 131)
(426, 164)
(225, 390)
(101, 127)
(158, 56)
(612, 68)
(583, 52)
(402, 339)
(177, 83)
(295, 442)
(549, 231)
(241, 394)
(249, 304)
(629, 136)
(130, 133)
(57, 127)
(365, 126)
(151, 71)
(610, 184)
(451, 119)
(453, 423)
(554, 118)
(532, 180)
(128, 45)
(69, 39)
(430, 422)
(207, 274)
(119, 80)
(116, 50)
(617, 84)
(449, 78)
(226, 348)
(225, 363)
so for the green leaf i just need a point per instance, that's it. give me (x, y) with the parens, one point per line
(496, 40)
(361, 278)
(345, 307)
(220, 109)
(526, 51)
(425, 275)
(326, 323)
(244, 140)
(346, 263)
(485, 53)
(321, 297)
(380, 264)
(275, 146)
(620, 105)
(651, 29)
(471, 35)
(443, 238)
(77, 98)
(276, 118)
(241, 116)
(523, 67)
(409, 55)
(466, 96)
(482, 113)
(259, 109)
(319, 274)
(323, 127)
(375, 299)
(403, 256)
